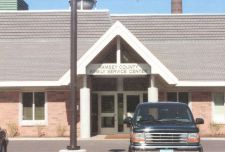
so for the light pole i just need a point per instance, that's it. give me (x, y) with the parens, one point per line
(73, 77)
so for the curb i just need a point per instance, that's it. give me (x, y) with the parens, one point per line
(92, 139)
(213, 138)
(64, 139)
(37, 139)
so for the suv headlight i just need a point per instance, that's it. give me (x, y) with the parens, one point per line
(193, 138)
(138, 138)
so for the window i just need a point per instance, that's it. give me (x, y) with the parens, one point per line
(136, 84)
(163, 113)
(132, 102)
(178, 96)
(33, 107)
(219, 108)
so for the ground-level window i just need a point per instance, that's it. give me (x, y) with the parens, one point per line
(178, 97)
(33, 106)
(219, 108)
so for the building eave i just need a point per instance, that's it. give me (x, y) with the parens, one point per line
(201, 84)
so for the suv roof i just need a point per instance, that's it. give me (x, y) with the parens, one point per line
(163, 103)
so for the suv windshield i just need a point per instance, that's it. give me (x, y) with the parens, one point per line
(168, 113)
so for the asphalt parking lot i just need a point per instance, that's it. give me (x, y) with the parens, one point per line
(93, 145)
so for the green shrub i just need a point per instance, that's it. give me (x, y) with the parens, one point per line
(12, 129)
(215, 128)
(60, 130)
(40, 131)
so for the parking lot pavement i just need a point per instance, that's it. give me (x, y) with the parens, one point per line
(55, 146)
(93, 145)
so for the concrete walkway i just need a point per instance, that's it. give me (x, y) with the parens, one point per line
(98, 137)
(56, 144)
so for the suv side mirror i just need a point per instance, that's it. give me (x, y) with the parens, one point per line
(128, 121)
(199, 121)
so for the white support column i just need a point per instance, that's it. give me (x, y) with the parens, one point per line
(85, 110)
(152, 90)
(118, 51)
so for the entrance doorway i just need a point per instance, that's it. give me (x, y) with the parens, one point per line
(113, 107)
(107, 113)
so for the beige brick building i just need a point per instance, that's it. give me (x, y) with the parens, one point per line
(123, 60)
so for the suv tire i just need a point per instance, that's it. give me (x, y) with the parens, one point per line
(201, 150)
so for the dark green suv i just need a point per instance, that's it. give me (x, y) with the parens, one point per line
(164, 127)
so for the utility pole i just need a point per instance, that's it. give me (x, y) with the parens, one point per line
(73, 81)
(73, 77)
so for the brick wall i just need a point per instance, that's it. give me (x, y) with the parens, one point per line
(202, 108)
(58, 111)
(58, 114)
(9, 103)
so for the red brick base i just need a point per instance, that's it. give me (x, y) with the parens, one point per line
(9, 103)
(59, 113)
(202, 108)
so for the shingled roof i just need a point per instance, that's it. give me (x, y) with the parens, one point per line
(34, 46)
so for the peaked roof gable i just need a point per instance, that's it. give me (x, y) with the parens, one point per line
(118, 29)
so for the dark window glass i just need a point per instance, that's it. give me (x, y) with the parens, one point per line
(104, 84)
(108, 122)
(132, 102)
(136, 84)
(219, 106)
(27, 99)
(120, 113)
(39, 100)
(219, 99)
(33, 105)
(183, 97)
(94, 114)
(145, 97)
(170, 114)
(107, 104)
(172, 96)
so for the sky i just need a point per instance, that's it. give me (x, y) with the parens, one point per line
(137, 6)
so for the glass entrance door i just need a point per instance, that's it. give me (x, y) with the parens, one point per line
(108, 114)
(113, 108)
(131, 102)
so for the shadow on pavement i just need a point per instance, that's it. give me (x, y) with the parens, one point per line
(117, 150)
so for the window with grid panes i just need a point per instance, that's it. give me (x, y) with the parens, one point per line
(33, 104)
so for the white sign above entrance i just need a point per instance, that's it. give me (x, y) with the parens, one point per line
(118, 69)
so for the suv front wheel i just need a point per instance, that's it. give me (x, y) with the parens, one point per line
(201, 150)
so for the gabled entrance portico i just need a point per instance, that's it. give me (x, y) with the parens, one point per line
(129, 70)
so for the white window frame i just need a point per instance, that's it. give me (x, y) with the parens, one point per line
(214, 118)
(33, 122)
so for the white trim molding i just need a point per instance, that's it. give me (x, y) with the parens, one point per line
(201, 84)
(63, 81)
(118, 29)
(29, 83)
